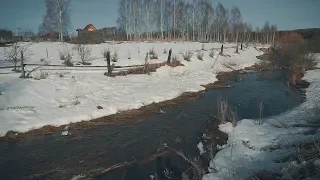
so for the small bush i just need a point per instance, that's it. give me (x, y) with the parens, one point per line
(65, 53)
(114, 57)
(211, 54)
(104, 53)
(43, 74)
(62, 56)
(187, 56)
(153, 54)
(129, 55)
(84, 52)
(68, 62)
(200, 56)
(175, 62)
(165, 51)
(42, 59)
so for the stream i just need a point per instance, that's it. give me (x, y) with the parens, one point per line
(141, 140)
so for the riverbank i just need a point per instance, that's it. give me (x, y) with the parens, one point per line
(97, 149)
(286, 145)
(126, 116)
(69, 97)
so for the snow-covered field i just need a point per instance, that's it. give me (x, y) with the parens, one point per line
(71, 95)
(252, 147)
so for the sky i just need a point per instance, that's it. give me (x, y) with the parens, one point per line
(286, 14)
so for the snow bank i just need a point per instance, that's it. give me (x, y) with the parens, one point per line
(67, 96)
(252, 147)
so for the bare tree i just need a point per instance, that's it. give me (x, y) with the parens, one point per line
(273, 29)
(123, 18)
(221, 21)
(14, 52)
(84, 52)
(57, 17)
(266, 31)
(236, 22)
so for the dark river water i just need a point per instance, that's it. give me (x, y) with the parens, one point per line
(141, 140)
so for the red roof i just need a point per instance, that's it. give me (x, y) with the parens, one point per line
(90, 27)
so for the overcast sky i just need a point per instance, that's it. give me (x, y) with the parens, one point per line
(286, 14)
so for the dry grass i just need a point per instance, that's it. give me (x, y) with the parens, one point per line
(225, 113)
(304, 156)
(65, 54)
(153, 54)
(187, 56)
(230, 65)
(114, 56)
(146, 69)
(68, 62)
(175, 62)
(12, 136)
(165, 51)
(197, 168)
(200, 56)
(211, 54)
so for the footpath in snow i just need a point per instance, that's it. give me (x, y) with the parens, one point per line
(67, 96)
(254, 148)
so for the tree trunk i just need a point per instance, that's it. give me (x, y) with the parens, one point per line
(23, 75)
(108, 64)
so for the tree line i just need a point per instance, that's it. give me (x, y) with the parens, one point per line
(192, 20)
(197, 20)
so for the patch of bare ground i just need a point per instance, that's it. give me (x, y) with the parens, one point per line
(122, 117)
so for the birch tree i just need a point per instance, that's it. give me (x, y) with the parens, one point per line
(57, 17)
(265, 32)
(236, 21)
(221, 21)
(159, 16)
(123, 16)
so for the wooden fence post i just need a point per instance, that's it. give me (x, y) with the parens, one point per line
(221, 52)
(237, 48)
(23, 75)
(169, 56)
(241, 46)
(108, 64)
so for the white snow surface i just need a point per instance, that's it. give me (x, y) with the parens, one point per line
(72, 95)
(252, 147)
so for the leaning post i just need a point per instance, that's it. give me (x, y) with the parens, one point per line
(108, 63)
(23, 75)
(169, 56)
(221, 52)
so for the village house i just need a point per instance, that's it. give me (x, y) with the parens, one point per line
(90, 34)
(5, 36)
